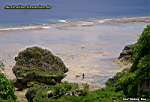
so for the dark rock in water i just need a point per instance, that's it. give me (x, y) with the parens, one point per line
(126, 54)
(37, 64)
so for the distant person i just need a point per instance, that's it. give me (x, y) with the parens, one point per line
(83, 76)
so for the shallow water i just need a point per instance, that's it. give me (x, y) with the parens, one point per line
(90, 50)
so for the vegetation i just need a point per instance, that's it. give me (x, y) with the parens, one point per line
(140, 70)
(6, 90)
(71, 92)
(47, 93)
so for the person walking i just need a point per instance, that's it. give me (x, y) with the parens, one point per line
(83, 76)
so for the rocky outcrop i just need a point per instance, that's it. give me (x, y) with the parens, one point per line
(126, 54)
(39, 65)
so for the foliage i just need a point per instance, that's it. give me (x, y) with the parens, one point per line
(69, 92)
(6, 90)
(45, 93)
(140, 70)
(142, 47)
(113, 80)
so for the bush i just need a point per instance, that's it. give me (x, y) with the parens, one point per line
(6, 90)
(45, 93)
(71, 92)
(142, 47)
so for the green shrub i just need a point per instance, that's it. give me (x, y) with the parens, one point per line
(6, 89)
(142, 47)
(71, 92)
(45, 93)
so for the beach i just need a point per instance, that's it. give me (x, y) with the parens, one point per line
(88, 47)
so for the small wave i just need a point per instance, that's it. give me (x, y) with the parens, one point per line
(82, 23)
(31, 27)
(104, 20)
(25, 28)
(86, 23)
(62, 21)
(126, 20)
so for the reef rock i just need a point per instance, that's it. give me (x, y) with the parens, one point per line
(38, 65)
(126, 54)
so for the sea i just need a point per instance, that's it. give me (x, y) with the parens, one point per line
(70, 10)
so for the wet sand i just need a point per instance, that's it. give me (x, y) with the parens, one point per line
(89, 49)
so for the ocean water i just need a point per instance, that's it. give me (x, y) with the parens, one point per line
(71, 10)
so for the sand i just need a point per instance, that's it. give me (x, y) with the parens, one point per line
(84, 46)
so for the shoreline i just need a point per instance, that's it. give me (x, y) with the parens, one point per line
(81, 23)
